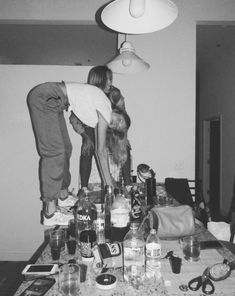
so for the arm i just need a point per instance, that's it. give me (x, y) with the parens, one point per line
(76, 124)
(101, 150)
(78, 127)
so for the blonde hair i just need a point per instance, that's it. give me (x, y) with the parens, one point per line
(116, 141)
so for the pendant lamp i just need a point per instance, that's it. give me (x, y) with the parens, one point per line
(139, 16)
(127, 61)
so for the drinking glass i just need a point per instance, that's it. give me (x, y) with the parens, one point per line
(191, 248)
(57, 243)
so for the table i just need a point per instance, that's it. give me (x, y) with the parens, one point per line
(167, 284)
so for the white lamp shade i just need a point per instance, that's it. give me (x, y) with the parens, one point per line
(127, 61)
(157, 15)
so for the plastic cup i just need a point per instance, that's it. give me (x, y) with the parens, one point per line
(175, 264)
(191, 248)
(71, 246)
(55, 252)
(57, 243)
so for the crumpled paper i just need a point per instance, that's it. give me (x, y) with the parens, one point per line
(221, 230)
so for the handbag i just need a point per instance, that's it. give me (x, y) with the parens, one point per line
(170, 222)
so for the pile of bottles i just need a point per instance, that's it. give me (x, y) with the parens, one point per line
(117, 219)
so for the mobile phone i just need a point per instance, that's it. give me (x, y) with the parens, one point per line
(39, 287)
(40, 269)
(210, 245)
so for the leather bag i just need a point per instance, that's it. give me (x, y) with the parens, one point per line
(171, 222)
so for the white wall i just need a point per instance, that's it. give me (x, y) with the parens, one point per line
(161, 103)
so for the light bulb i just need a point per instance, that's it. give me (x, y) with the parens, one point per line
(126, 60)
(137, 8)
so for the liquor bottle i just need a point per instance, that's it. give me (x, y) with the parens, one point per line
(108, 201)
(136, 212)
(120, 218)
(134, 257)
(85, 212)
(153, 255)
(87, 242)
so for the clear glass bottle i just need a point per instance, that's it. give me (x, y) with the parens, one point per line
(100, 225)
(85, 212)
(134, 257)
(153, 255)
(120, 218)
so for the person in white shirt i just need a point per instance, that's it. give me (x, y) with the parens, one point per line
(46, 103)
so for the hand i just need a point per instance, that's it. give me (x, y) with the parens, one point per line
(87, 145)
(81, 193)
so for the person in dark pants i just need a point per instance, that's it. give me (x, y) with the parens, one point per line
(46, 103)
(100, 76)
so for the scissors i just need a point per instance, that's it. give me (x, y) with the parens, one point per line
(202, 281)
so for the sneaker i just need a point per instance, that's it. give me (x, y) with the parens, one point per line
(68, 202)
(57, 219)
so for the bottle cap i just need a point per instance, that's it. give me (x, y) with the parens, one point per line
(106, 281)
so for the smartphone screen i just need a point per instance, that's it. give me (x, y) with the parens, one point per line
(39, 287)
(40, 268)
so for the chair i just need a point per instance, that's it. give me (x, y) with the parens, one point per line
(179, 189)
(187, 191)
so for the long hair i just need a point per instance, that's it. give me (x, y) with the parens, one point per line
(98, 76)
(116, 141)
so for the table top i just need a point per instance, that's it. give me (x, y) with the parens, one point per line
(167, 284)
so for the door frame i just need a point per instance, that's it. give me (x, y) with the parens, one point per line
(206, 156)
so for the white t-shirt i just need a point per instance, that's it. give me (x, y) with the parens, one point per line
(85, 100)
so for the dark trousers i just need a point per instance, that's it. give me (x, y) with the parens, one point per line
(46, 103)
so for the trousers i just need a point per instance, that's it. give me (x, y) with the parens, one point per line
(46, 103)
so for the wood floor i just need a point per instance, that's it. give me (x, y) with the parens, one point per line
(10, 276)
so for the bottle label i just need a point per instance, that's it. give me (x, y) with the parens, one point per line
(153, 250)
(86, 215)
(136, 254)
(86, 250)
(114, 249)
(87, 240)
(100, 224)
(120, 218)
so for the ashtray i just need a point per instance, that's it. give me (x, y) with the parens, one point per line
(106, 281)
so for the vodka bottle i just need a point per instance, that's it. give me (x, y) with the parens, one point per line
(134, 258)
(153, 255)
(85, 212)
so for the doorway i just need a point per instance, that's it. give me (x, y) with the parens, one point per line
(212, 165)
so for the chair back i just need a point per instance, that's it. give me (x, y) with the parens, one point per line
(179, 189)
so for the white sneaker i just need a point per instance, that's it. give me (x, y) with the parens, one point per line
(57, 219)
(68, 202)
